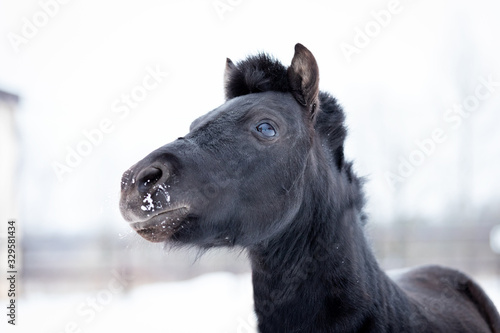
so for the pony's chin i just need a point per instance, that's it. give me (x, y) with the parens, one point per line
(163, 226)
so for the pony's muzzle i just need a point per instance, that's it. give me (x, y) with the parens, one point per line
(142, 192)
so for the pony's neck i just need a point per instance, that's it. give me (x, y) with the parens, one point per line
(320, 274)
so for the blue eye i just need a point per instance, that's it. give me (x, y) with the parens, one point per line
(266, 129)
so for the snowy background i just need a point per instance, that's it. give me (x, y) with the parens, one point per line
(403, 71)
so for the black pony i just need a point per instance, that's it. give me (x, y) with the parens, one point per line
(266, 171)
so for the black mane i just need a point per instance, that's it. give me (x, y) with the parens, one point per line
(262, 72)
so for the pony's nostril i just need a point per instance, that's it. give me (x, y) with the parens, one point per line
(147, 178)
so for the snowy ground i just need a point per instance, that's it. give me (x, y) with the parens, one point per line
(218, 303)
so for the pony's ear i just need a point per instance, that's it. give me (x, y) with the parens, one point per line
(231, 74)
(303, 77)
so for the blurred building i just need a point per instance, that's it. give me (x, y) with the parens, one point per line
(8, 153)
(8, 166)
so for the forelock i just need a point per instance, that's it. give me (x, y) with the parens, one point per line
(256, 73)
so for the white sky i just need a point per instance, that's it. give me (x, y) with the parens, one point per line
(395, 92)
